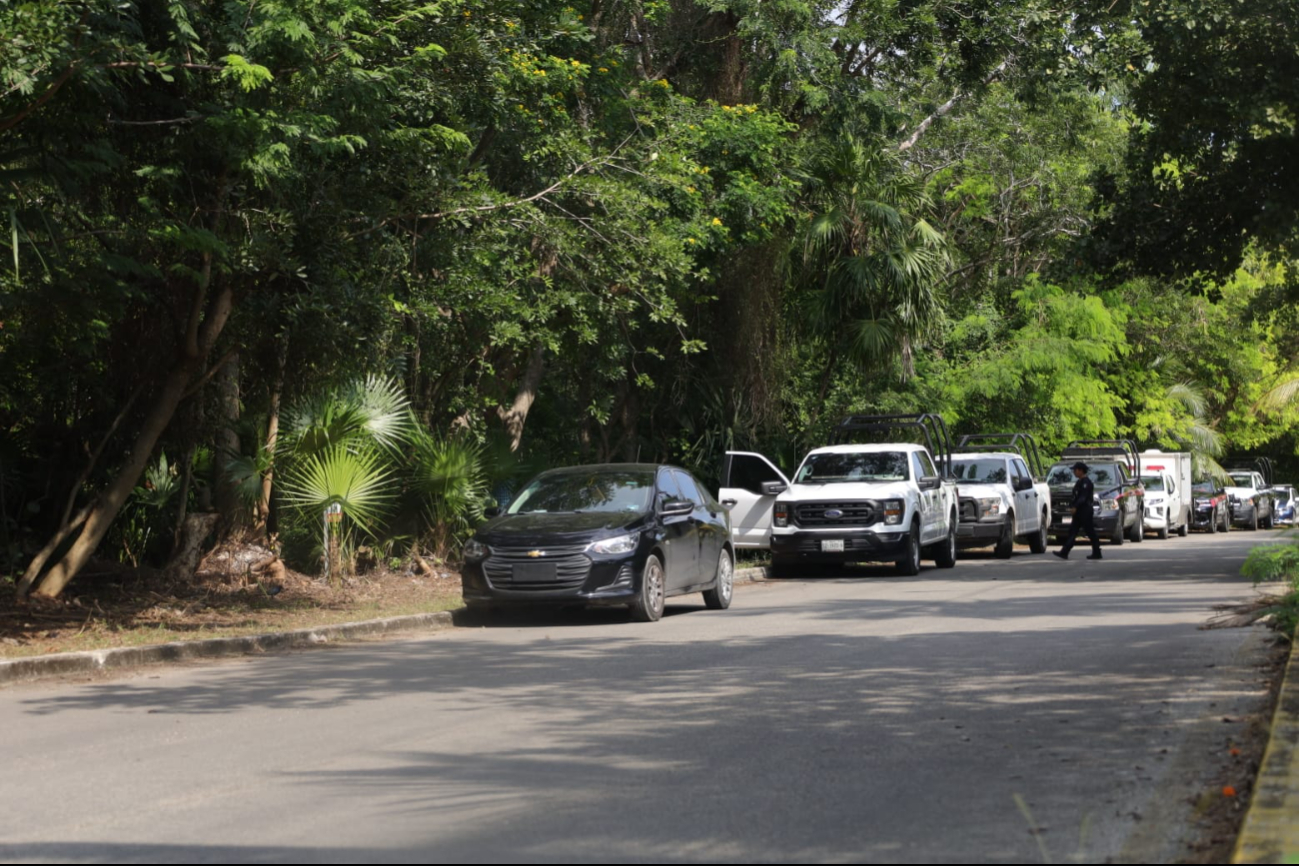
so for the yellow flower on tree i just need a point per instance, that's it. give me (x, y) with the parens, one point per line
(716, 221)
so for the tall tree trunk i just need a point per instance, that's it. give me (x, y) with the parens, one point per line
(272, 437)
(517, 415)
(228, 445)
(201, 333)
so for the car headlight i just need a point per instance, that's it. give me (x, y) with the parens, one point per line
(893, 511)
(618, 544)
(780, 513)
(1109, 505)
(475, 549)
(989, 506)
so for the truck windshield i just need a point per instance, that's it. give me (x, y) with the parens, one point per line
(1101, 474)
(836, 468)
(980, 471)
(1242, 479)
(1153, 483)
(1205, 487)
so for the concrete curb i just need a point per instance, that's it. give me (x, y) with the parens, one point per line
(1270, 832)
(62, 664)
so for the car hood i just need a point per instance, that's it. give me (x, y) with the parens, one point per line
(1242, 492)
(539, 529)
(970, 490)
(850, 491)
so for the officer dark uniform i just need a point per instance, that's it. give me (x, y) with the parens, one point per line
(1083, 518)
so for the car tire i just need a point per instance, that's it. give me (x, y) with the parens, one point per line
(719, 597)
(945, 554)
(1185, 529)
(1213, 525)
(1226, 522)
(1038, 541)
(1138, 533)
(1252, 526)
(909, 565)
(1117, 538)
(648, 606)
(1163, 534)
(1006, 544)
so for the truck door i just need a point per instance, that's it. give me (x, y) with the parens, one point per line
(933, 522)
(743, 475)
(1028, 511)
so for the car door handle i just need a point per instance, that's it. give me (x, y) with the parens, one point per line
(730, 503)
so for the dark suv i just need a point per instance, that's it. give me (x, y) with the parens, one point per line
(1119, 501)
(613, 534)
(1211, 510)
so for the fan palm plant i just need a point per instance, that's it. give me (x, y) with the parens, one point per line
(874, 258)
(450, 476)
(360, 479)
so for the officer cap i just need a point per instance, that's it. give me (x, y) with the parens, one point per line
(1080, 466)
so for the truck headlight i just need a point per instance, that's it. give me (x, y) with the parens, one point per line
(475, 549)
(1109, 505)
(780, 513)
(893, 511)
(617, 544)
(989, 506)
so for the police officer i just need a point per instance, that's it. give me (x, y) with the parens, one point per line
(1083, 494)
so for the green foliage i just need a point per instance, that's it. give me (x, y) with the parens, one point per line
(357, 478)
(450, 476)
(1277, 563)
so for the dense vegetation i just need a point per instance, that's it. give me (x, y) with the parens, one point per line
(268, 255)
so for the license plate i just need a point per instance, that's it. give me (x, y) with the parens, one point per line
(832, 545)
(534, 572)
(1066, 519)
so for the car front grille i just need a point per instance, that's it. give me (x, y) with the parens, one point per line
(570, 563)
(809, 514)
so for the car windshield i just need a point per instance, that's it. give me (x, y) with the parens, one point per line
(1205, 487)
(987, 471)
(1283, 496)
(1101, 474)
(1242, 479)
(840, 468)
(1153, 483)
(586, 491)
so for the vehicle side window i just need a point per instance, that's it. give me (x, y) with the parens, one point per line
(688, 488)
(927, 464)
(667, 485)
(1021, 470)
(917, 470)
(749, 473)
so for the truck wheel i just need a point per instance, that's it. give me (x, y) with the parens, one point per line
(1185, 529)
(909, 565)
(1117, 538)
(1163, 533)
(945, 555)
(1138, 529)
(1213, 525)
(1006, 544)
(1253, 522)
(1226, 521)
(1038, 541)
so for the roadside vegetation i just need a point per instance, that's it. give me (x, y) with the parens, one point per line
(270, 258)
(1275, 565)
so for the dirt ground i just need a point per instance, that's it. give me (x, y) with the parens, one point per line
(111, 606)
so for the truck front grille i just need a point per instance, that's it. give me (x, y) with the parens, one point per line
(816, 514)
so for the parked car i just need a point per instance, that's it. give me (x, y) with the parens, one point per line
(1284, 502)
(1212, 510)
(1166, 479)
(614, 534)
(1251, 499)
(850, 502)
(1112, 465)
(1004, 495)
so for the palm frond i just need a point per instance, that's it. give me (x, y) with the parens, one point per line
(358, 479)
(1279, 396)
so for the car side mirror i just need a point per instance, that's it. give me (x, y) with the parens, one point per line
(930, 482)
(774, 488)
(1022, 484)
(676, 508)
(493, 511)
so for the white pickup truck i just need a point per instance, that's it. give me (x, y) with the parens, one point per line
(1166, 478)
(1250, 496)
(849, 502)
(1004, 494)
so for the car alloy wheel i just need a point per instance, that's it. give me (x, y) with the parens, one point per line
(648, 606)
(719, 597)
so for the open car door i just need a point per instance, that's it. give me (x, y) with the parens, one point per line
(750, 484)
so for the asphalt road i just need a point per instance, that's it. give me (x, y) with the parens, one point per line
(865, 718)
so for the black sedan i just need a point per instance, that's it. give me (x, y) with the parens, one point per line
(615, 534)
(1212, 511)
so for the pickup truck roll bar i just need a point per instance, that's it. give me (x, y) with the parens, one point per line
(1022, 444)
(930, 424)
(1119, 449)
(1261, 465)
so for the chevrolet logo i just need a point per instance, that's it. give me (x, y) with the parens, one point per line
(535, 553)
